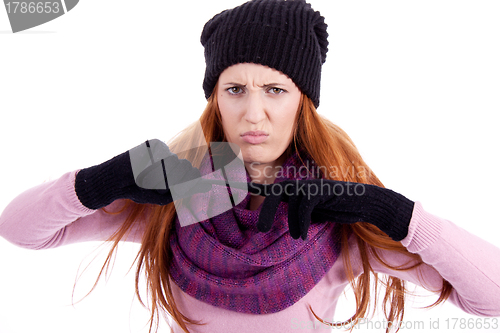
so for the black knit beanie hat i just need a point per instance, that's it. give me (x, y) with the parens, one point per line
(287, 35)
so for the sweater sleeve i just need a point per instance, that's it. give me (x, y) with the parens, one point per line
(467, 262)
(50, 215)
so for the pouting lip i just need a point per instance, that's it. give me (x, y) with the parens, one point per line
(255, 133)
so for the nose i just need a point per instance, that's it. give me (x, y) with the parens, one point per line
(255, 109)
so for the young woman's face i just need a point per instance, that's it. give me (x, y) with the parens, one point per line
(258, 107)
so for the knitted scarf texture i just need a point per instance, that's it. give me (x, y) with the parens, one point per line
(226, 262)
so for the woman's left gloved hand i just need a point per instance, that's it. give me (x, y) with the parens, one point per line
(323, 200)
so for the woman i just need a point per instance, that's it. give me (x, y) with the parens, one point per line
(265, 104)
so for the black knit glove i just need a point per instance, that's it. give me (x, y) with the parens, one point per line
(140, 175)
(322, 200)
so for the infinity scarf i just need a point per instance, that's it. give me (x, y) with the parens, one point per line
(226, 262)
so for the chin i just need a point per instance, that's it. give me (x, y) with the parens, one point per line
(260, 155)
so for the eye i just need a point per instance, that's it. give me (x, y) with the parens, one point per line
(235, 90)
(276, 91)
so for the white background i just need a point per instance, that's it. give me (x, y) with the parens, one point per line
(415, 84)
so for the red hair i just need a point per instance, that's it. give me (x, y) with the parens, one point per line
(328, 145)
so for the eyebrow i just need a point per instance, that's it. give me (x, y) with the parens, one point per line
(233, 84)
(267, 85)
(273, 84)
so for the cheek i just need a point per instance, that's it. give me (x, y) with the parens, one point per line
(229, 118)
(286, 117)
(285, 128)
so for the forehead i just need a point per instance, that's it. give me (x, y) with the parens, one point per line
(250, 72)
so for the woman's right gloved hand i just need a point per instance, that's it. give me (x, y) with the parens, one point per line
(142, 175)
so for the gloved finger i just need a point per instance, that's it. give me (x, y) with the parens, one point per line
(146, 166)
(267, 212)
(170, 163)
(188, 172)
(260, 189)
(163, 192)
(179, 173)
(158, 150)
(255, 188)
(306, 208)
(293, 215)
(152, 177)
(184, 180)
(190, 188)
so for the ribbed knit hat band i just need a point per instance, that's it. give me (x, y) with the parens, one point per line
(287, 35)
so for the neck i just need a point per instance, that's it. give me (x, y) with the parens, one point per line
(264, 173)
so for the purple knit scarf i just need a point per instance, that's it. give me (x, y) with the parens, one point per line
(226, 262)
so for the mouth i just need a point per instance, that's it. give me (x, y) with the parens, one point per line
(255, 137)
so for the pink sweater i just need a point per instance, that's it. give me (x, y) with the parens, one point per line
(51, 215)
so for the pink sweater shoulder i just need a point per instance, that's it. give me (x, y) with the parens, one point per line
(51, 215)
